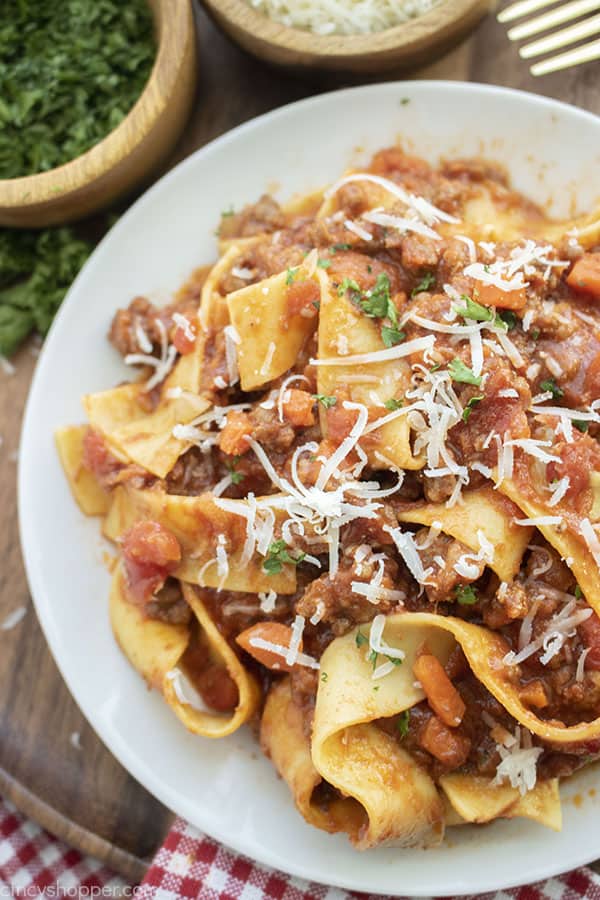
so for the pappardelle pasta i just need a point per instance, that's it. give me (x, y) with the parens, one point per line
(355, 496)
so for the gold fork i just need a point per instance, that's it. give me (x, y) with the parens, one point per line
(561, 13)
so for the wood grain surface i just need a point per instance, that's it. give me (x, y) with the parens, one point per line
(83, 794)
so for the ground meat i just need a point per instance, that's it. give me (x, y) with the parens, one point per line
(168, 605)
(127, 323)
(558, 575)
(269, 431)
(438, 490)
(506, 607)
(442, 583)
(340, 608)
(257, 218)
(194, 473)
(142, 317)
(419, 252)
(304, 684)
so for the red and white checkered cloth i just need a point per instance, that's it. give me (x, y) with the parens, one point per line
(191, 865)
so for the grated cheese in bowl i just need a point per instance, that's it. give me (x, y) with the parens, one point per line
(342, 16)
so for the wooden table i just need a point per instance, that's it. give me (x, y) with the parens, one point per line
(84, 795)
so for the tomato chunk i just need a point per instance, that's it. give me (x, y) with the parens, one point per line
(302, 297)
(97, 458)
(590, 632)
(233, 437)
(150, 552)
(441, 694)
(585, 275)
(273, 633)
(490, 295)
(298, 408)
(184, 337)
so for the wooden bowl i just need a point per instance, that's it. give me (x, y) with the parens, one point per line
(411, 42)
(129, 153)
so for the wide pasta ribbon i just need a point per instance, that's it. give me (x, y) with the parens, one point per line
(156, 650)
(363, 762)
(90, 497)
(201, 526)
(482, 510)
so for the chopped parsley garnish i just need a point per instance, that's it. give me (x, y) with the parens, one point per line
(335, 248)
(392, 404)
(317, 304)
(348, 284)
(469, 407)
(323, 263)
(360, 639)
(324, 676)
(377, 302)
(391, 336)
(290, 275)
(474, 310)
(535, 333)
(509, 318)
(578, 592)
(463, 374)
(403, 722)
(465, 594)
(325, 401)
(373, 658)
(550, 385)
(277, 556)
(236, 477)
(581, 425)
(225, 213)
(427, 281)
(405, 101)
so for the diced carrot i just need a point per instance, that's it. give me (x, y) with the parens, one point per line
(302, 298)
(490, 295)
(441, 694)
(298, 408)
(450, 748)
(585, 275)
(340, 422)
(232, 439)
(274, 633)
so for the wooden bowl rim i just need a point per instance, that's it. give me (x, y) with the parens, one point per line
(416, 31)
(44, 187)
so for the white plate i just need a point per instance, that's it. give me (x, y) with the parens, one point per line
(226, 787)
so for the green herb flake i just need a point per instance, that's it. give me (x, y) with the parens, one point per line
(403, 723)
(324, 677)
(236, 477)
(348, 284)
(465, 594)
(325, 401)
(360, 639)
(581, 425)
(404, 101)
(227, 212)
(474, 310)
(290, 275)
(372, 658)
(550, 385)
(391, 336)
(509, 318)
(469, 407)
(426, 282)
(462, 374)
(336, 248)
(278, 555)
(535, 333)
(393, 404)
(578, 592)
(323, 263)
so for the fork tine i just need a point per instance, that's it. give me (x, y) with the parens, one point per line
(575, 57)
(522, 8)
(561, 38)
(555, 17)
